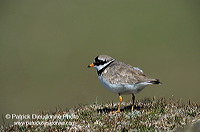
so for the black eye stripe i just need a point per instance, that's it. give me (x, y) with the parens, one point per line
(99, 62)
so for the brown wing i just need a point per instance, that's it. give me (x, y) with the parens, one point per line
(121, 73)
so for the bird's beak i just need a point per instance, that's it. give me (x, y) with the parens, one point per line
(91, 65)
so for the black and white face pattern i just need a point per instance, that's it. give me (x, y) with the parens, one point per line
(100, 62)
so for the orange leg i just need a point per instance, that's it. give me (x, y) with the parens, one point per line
(120, 101)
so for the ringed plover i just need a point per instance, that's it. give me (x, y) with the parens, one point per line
(121, 78)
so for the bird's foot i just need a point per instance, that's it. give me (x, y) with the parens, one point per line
(117, 111)
(132, 108)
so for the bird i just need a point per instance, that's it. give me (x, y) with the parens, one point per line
(121, 78)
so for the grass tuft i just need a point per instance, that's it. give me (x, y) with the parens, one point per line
(150, 114)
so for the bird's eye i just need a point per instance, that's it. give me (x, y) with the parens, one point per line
(98, 62)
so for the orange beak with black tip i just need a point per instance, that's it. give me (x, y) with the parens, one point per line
(91, 65)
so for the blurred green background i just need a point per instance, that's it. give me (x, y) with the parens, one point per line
(45, 47)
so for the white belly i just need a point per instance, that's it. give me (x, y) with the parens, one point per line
(123, 88)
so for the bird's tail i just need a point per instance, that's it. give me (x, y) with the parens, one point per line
(156, 81)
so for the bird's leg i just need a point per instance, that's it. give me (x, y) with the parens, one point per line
(133, 99)
(120, 101)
